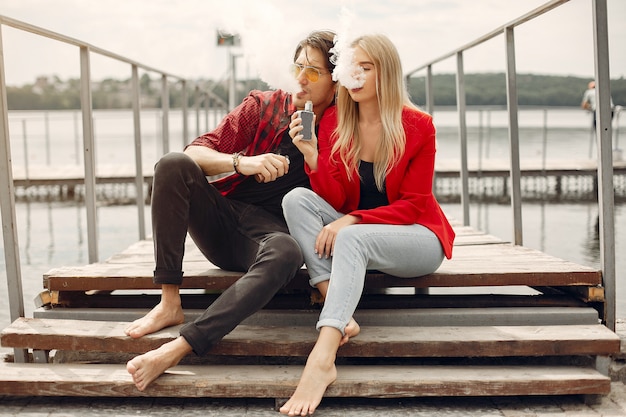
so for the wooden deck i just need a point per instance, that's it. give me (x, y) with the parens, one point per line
(479, 339)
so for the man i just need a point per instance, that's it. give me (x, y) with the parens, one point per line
(589, 101)
(237, 221)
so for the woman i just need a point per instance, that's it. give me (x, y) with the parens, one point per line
(371, 206)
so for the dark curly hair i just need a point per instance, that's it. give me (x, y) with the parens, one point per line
(323, 41)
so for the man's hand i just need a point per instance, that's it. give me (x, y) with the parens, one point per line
(308, 148)
(265, 167)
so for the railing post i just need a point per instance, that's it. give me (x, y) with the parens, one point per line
(460, 102)
(232, 83)
(89, 153)
(165, 106)
(605, 159)
(196, 105)
(184, 109)
(25, 148)
(138, 160)
(511, 99)
(207, 107)
(544, 142)
(47, 130)
(7, 208)
(430, 94)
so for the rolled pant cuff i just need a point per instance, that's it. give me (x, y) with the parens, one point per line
(331, 323)
(314, 281)
(193, 335)
(168, 277)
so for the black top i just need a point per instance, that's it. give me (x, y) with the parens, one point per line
(270, 195)
(370, 196)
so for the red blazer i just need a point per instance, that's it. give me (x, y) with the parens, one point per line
(408, 186)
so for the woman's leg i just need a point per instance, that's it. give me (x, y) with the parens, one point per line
(306, 213)
(405, 251)
(319, 372)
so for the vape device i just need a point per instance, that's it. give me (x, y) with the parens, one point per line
(307, 121)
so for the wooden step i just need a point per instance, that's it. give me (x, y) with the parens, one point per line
(478, 315)
(508, 265)
(374, 341)
(279, 381)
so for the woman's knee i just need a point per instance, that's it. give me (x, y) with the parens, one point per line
(294, 199)
(349, 237)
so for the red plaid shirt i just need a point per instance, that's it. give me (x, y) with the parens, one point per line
(254, 127)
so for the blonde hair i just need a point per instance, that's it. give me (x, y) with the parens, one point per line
(392, 97)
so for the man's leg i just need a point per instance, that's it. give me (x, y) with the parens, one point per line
(146, 368)
(276, 258)
(275, 261)
(180, 192)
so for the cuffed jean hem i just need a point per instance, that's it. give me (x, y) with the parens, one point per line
(192, 335)
(314, 281)
(168, 277)
(336, 324)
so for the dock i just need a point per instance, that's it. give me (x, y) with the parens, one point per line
(413, 343)
(555, 179)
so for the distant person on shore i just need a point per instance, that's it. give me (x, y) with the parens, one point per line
(372, 204)
(237, 222)
(589, 101)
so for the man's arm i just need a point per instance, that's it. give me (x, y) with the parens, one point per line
(586, 103)
(266, 167)
(210, 161)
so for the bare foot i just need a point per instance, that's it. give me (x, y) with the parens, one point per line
(352, 330)
(160, 317)
(147, 367)
(316, 377)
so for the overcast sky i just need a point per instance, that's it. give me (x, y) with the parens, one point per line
(179, 36)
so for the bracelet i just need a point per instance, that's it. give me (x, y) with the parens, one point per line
(236, 157)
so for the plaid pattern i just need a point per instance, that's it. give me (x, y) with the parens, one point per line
(254, 127)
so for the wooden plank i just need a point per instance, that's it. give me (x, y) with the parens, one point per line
(410, 317)
(471, 265)
(302, 300)
(374, 341)
(279, 381)
(586, 294)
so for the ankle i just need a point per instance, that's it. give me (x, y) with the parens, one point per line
(170, 295)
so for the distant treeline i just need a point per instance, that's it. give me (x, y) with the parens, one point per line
(489, 89)
(52, 93)
(482, 89)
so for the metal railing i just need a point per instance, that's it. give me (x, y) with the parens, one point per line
(9, 224)
(603, 132)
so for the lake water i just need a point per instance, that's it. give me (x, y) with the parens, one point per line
(53, 233)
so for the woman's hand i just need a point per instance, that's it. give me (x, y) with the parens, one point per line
(308, 148)
(325, 242)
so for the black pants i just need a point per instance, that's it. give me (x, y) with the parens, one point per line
(232, 235)
(594, 117)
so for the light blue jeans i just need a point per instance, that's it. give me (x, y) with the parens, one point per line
(400, 250)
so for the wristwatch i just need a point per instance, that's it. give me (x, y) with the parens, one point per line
(236, 157)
